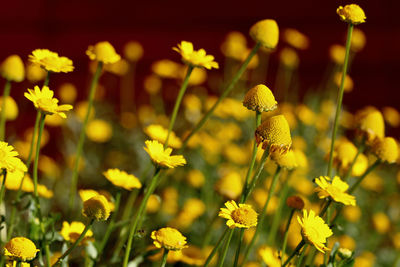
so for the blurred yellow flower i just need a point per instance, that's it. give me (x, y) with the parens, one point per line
(229, 185)
(337, 53)
(370, 124)
(35, 73)
(392, 116)
(381, 222)
(348, 82)
(351, 13)
(358, 40)
(44, 101)
(289, 57)
(133, 51)
(347, 242)
(71, 232)
(241, 216)
(99, 131)
(162, 157)
(86, 194)
(20, 249)
(153, 204)
(352, 213)
(166, 68)
(287, 160)
(168, 238)
(13, 69)
(11, 108)
(366, 259)
(296, 39)
(260, 98)
(67, 93)
(51, 61)
(274, 133)
(195, 178)
(314, 230)
(159, 133)
(386, 149)
(336, 190)
(266, 32)
(195, 58)
(270, 256)
(104, 52)
(96, 208)
(122, 179)
(234, 45)
(152, 84)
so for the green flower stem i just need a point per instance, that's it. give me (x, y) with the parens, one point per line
(262, 214)
(110, 226)
(178, 103)
(230, 87)
(241, 234)
(361, 178)
(210, 229)
(80, 238)
(296, 251)
(35, 164)
(19, 264)
(164, 258)
(303, 252)
(74, 180)
(35, 129)
(6, 93)
(3, 187)
(328, 219)
(340, 97)
(226, 247)
(46, 81)
(325, 208)
(286, 234)
(217, 246)
(47, 253)
(139, 214)
(252, 161)
(256, 176)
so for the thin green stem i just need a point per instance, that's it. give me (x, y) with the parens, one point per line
(80, 238)
(226, 247)
(285, 238)
(210, 229)
(19, 264)
(47, 253)
(31, 148)
(360, 179)
(262, 214)
(229, 88)
(241, 234)
(37, 152)
(178, 103)
(164, 258)
(6, 93)
(340, 97)
(74, 180)
(252, 161)
(46, 81)
(216, 247)
(3, 187)
(325, 208)
(139, 214)
(296, 251)
(300, 260)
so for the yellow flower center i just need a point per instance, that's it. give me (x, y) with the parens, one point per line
(245, 216)
(45, 102)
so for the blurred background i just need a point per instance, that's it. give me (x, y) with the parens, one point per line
(68, 27)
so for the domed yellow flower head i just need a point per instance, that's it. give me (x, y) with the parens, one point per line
(344, 153)
(274, 132)
(370, 124)
(194, 58)
(133, 51)
(351, 13)
(96, 208)
(122, 179)
(51, 61)
(242, 216)
(234, 46)
(314, 230)
(286, 160)
(168, 238)
(289, 57)
(71, 232)
(11, 108)
(44, 101)
(162, 157)
(296, 39)
(9, 160)
(266, 32)
(20, 249)
(260, 98)
(336, 190)
(104, 52)
(13, 69)
(386, 149)
(159, 133)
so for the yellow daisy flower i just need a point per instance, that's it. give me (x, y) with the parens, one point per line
(194, 58)
(44, 101)
(20, 249)
(168, 238)
(314, 230)
(71, 232)
(242, 216)
(162, 157)
(336, 190)
(159, 133)
(352, 13)
(104, 52)
(51, 61)
(122, 179)
(9, 160)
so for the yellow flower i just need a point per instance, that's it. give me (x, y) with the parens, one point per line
(314, 230)
(260, 98)
(44, 101)
(153, 204)
(274, 133)
(347, 242)
(386, 149)
(348, 82)
(194, 58)
(230, 185)
(71, 232)
(133, 51)
(96, 208)
(11, 108)
(392, 116)
(351, 13)
(289, 57)
(287, 160)
(234, 45)
(86, 194)
(35, 73)
(159, 133)
(296, 39)
(352, 213)
(266, 32)
(336, 190)
(9, 160)
(195, 178)
(166, 68)
(242, 216)
(358, 40)
(193, 255)
(269, 256)
(13, 69)
(152, 84)
(370, 124)
(168, 238)
(366, 259)
(381, 222)
(104, 52)
(51, 61)
(162, 157)
(20, 249)
(99, 131)
(68, 93)
(122, 179)
(337, 53)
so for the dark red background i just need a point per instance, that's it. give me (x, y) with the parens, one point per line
(68, 27)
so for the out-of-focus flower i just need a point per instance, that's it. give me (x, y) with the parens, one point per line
(366, 259)
(13, 69)
(358, 40)
(67, 93)
(336, 190)
(152, 84)
(20, 249)
(260, 98)
(35, 73)
(392, 116)
(370, 124)
(11, 108)
(266, 32)
(104, 52)
(386, 149)
(162, 157)
(287, 160)
(86, 194)
(166, 68)
(289, 58)
(195, 58)
(133, 51)
(71, 232)
(229, 185)
(241, 216)
(119, 68)
(122, 179)
(295, 202)
(274, 133)
(296, 39)
(159, 133)
(234, 45)
(195, 178)
(352, 213)
(168, 238)
(269, 256)
(96, 208)
(351, 13)
(337, 53)
(153, 204)
(348, 82)
(99, 131)
(51, 61)
(381, 222)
